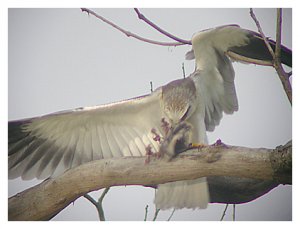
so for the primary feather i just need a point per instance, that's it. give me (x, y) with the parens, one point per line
(47, 146)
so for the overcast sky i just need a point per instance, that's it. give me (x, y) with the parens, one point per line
(61, 59)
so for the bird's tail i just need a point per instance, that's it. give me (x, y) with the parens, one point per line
(182, 194)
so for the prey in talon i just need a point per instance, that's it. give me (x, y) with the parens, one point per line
(177, 140)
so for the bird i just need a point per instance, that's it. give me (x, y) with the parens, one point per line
(47, 146)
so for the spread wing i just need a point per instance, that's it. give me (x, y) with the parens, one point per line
(49, 145)
(214, 73)
(217, 90)
(212, 49)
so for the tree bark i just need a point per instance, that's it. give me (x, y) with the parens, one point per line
(45, 200)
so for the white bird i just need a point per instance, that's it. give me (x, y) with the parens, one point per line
(49, 145)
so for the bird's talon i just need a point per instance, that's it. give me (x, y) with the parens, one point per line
(219, 143)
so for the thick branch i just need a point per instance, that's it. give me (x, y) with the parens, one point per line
(48, 198)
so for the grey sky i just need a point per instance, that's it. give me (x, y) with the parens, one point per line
(62, 59)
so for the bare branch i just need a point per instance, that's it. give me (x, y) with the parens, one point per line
(142, 17)
(99, 207)
(146, 213)
(283, 76)
(98, 204)
(278, 36)
(151, 87)
(156, 214)
(170, 217)
(262, 33)
(128, 33)
(233, 212)
(224, 212)
(183, 70)
(91, 199)
(245, 59)
(45, 200)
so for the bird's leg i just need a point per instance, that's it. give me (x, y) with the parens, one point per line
(197, 146)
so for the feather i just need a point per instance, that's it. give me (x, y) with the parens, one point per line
(59, 141)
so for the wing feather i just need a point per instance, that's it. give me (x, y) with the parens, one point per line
(120, 142)
(70, 150)
(88, 144)
(95, 144)
(211, 49)
(106, 148)
(127, 139)
(132, 144)
(214, 76)
(114, 146)
(49, 145)
(154, 143)
(138, 141)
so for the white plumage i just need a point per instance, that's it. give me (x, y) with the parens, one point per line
(49, 145)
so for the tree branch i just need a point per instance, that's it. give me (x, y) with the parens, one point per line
(262, 33)
(278, 36)
(224, 212)
(98, 204)
(142, 17)
(128, 33)
(283, 76)
(45, 200)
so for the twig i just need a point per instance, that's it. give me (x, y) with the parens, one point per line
(103, 194)
(262, 33)
(224, 212)
(142, 17)
(98, 204)
(278, 36)
(156, 214)
(171, 214)
(241, 58)
(128, 33)
(146, 213)
(183, 70)
(283, 76)
(233, 213)
(91, 199)
(151, 86)
(100, 208)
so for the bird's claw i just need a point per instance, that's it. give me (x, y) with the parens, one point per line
(220, 143)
